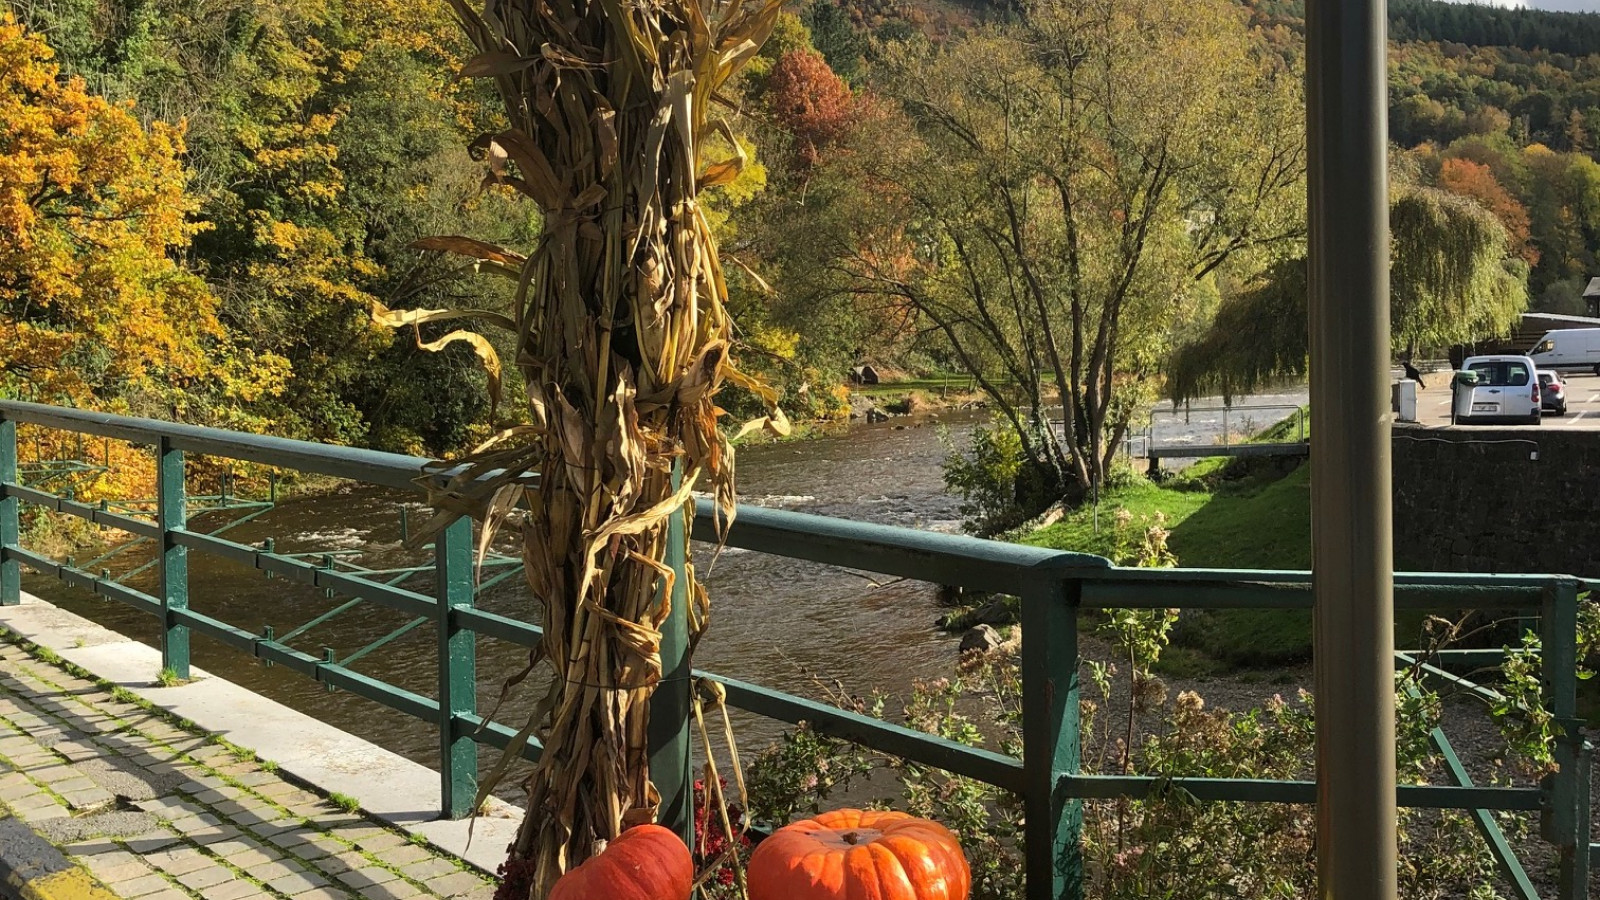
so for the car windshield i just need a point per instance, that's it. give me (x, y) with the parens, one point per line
(1546, 379)
(1500, 373)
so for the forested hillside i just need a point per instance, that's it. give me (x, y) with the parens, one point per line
(1502, 105)
(204, 203)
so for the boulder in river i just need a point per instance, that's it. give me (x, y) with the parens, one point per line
(982, 639)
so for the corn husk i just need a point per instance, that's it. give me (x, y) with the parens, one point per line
(621, 336)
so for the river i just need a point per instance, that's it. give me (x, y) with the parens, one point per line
(778, 622)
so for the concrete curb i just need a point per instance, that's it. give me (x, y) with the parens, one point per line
(31, 868)
(388, 787)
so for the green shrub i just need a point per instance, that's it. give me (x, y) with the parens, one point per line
(1170, 845)
(1000, 486)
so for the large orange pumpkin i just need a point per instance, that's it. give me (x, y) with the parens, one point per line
(646, 862)
(852, 854)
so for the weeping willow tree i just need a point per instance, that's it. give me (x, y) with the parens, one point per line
(619, 330)
(1453, 279)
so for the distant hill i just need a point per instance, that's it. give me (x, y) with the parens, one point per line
(1472, 24)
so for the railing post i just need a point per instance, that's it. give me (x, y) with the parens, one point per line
(1568, 821)
(1053, 853)
(670, 705)
(458, 669)
(174, 563)
(10, 516)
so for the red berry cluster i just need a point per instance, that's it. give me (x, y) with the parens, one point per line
(516, 880)
(711, 841)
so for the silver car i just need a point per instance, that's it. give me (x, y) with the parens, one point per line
(1495, 390)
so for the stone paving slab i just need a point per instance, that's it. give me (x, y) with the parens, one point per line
(101, 799)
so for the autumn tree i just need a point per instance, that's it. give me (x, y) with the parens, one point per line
(1064, 185)
(1453, 280)
(94, 308)
(809, 102)
(1477, 182)
(322, 140)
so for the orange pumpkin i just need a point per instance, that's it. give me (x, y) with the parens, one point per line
(860, 855)
(646, 862)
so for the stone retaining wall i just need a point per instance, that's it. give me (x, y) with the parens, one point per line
(1515, 499)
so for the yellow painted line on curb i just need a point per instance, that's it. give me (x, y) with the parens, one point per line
(74, 884)
(32, 868)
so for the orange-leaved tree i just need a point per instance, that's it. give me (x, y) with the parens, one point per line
(1476, 181)
(95, 308)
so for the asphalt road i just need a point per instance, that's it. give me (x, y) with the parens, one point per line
(1583, 400)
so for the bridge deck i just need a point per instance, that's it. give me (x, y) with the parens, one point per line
(102, 798)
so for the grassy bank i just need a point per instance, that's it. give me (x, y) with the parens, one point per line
(1257, 520)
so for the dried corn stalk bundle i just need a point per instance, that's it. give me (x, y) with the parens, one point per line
(622, 341)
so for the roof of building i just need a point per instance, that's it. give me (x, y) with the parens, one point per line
(1593, 290)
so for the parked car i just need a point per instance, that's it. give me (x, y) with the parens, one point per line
(1495, 390)
(1552, 392)
(1568, 348)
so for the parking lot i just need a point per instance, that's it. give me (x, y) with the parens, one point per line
(1583, 400)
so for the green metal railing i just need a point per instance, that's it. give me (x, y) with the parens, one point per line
(1055, 587)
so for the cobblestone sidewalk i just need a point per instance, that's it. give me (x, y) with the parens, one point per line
(153, 811)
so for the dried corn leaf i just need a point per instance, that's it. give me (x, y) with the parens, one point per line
(487, 355)
(495, 62)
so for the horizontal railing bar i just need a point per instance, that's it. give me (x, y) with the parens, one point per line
(232, 551)
(1200, 451)
(495, 625)
(489, 563)
(1402, 580)
(495, 734)
(1251, 790)
(76, 577)
(399, 599)
(399, 699)
(985, 765)
(948, 559)
(216, 629)
(112, 590)
(1242, 589)
(44, 565)
(943, 558)
(87, 511)
(1476, 659)
(389, 469)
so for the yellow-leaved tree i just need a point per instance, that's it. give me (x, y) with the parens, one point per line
(96, 309)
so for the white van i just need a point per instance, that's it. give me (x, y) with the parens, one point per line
(1569, 348)
(1495, 390)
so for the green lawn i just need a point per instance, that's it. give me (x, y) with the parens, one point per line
(1261, 522)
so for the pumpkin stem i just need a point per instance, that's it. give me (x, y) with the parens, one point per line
(851, 837)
